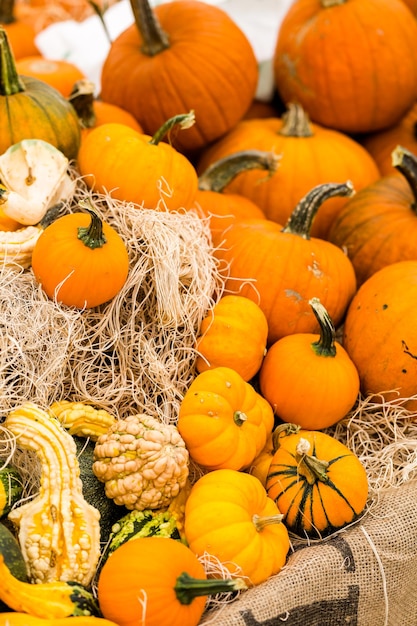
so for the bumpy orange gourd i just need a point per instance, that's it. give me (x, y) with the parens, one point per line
(326, 156)
(310, 379)
(229, 516)
(80, 260)
(318, 484)
(233, 334)
(135, 167)
(156, 581)
(210, 63)
(222, 419)
(339, 59)
(282, 268)
(380, 334)
(378, 226)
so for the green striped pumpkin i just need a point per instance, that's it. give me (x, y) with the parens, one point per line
(11, 488)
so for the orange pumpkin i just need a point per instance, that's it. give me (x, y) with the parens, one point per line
(339, 59)
(135, 167)
(156, 581)
(233, 334)
(80, 260)
(229, 516)
(210, 63)
(380, 333)
(318, 484)
(21, 34)
(309, 155)
(58, 73)
(378, 226)
(223, 420)
(310, 379)
(282, 268)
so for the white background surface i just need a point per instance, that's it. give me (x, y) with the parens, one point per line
(85, 43)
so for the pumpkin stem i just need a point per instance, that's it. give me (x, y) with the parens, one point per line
(312, 468)
(406, 163)
(183, 120)
(260, 522)
(187, 588)
(239, 418)
(10, 81)
(100, 14)
(301, 219)
(218, 175)
(7, 15)
(155, 40)
(331, 3)
(285, 430)
(296, 122)
(325, 346)
(82, 99)
(92, 236)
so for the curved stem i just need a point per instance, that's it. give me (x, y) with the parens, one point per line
(296, 122)
(325, 345)
(406, 163)
(312, 468)
(301, 219)
(184, 121)
(92, 236)
(187, 588)
(155, 40)
(10, 81)
(218, 175)
(283, 430)
(82, 99)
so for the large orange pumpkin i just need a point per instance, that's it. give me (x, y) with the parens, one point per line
(351, 63)
(282, 268)
(180, 56)
(310, 155)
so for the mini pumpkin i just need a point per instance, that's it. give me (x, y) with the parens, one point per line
(317, 482)
(310, 379)
(59, 73)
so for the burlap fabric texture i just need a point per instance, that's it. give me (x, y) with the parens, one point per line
(363, 576)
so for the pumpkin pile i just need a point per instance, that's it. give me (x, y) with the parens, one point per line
(200, 301)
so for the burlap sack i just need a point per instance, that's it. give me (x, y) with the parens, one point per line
(363, 576)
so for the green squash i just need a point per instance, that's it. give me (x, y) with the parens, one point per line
(11, 489)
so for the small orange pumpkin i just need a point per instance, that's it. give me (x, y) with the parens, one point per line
(229, 516)
(58, 73)
(223, 420)
(318, 484)
(310, 379)
(80, 260)
(156, 581)
(233, 334)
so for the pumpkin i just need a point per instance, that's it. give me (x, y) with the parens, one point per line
(58, 73)
(21, 619)
(59, 531)
(261, 464)
(381, 144)
(155, 581)
(378, 225)
(135, 167)
(211, 66)
(310, 379)
(223, 420)
(80, 260)
(94, 112)
(339, 59)
(282, 268)
(233, 334)
(229, 516)
(223, 209)
(380, 335)
(11, 489)
(318, 484)
(21, 34)
(30, 108)
(326, 156)
(412, 5)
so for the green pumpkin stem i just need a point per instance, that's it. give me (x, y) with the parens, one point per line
(7, 15)
(325, 346)
(183, 120)
(239, 418)
(10, 81)
(92, 236)
(218, 175)
(187, 588)
(301, 219)
(312, 468)
(261, 522)
(155, 40)
(406, 163)
(82, 99)
(296, 122)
